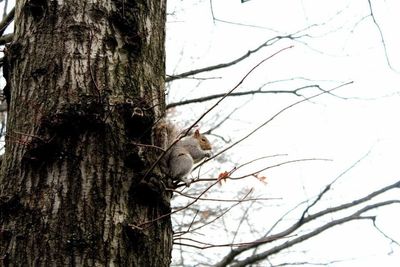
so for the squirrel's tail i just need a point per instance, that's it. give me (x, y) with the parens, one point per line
(165, 133)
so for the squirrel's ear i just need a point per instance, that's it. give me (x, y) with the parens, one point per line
(196, 133)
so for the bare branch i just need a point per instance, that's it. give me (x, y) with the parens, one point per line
(215, 19)
(216, 125)
(328, 187)
(222, 214)
(381, 36)
(245, 25)
(242, 219)
(291, 36)
(148, 223)
(273, 117)
(228, 64)
(353, 203)
(274, 166)
(306, 263)
(231, 255)
(355, 216)
(212, 10)
(221, 199)
(209, 245)
(194, 218)
(254, 173)
(253, 92)
(385, 235)
(6, 21)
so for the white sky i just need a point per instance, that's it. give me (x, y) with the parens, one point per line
(347, 47)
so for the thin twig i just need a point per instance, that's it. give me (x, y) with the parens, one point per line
(385, 235)
(175, 211)
(221, 199)
(329, 186)
(273, 117)
(274, 166)
(222, 214)
(381, 36)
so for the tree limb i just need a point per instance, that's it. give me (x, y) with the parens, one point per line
(253, 92)
(6, 21)
(355, 216)
(233, 253)
(228, 64)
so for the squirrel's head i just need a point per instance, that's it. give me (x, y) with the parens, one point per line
(203, 141)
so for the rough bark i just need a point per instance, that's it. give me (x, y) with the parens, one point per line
(85, 81)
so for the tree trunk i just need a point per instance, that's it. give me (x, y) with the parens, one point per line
(85, 81)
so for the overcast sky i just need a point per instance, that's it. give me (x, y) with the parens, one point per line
(343, 44)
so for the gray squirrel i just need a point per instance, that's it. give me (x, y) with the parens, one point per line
(183, 154)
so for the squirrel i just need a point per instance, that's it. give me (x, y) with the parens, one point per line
(186, 152)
